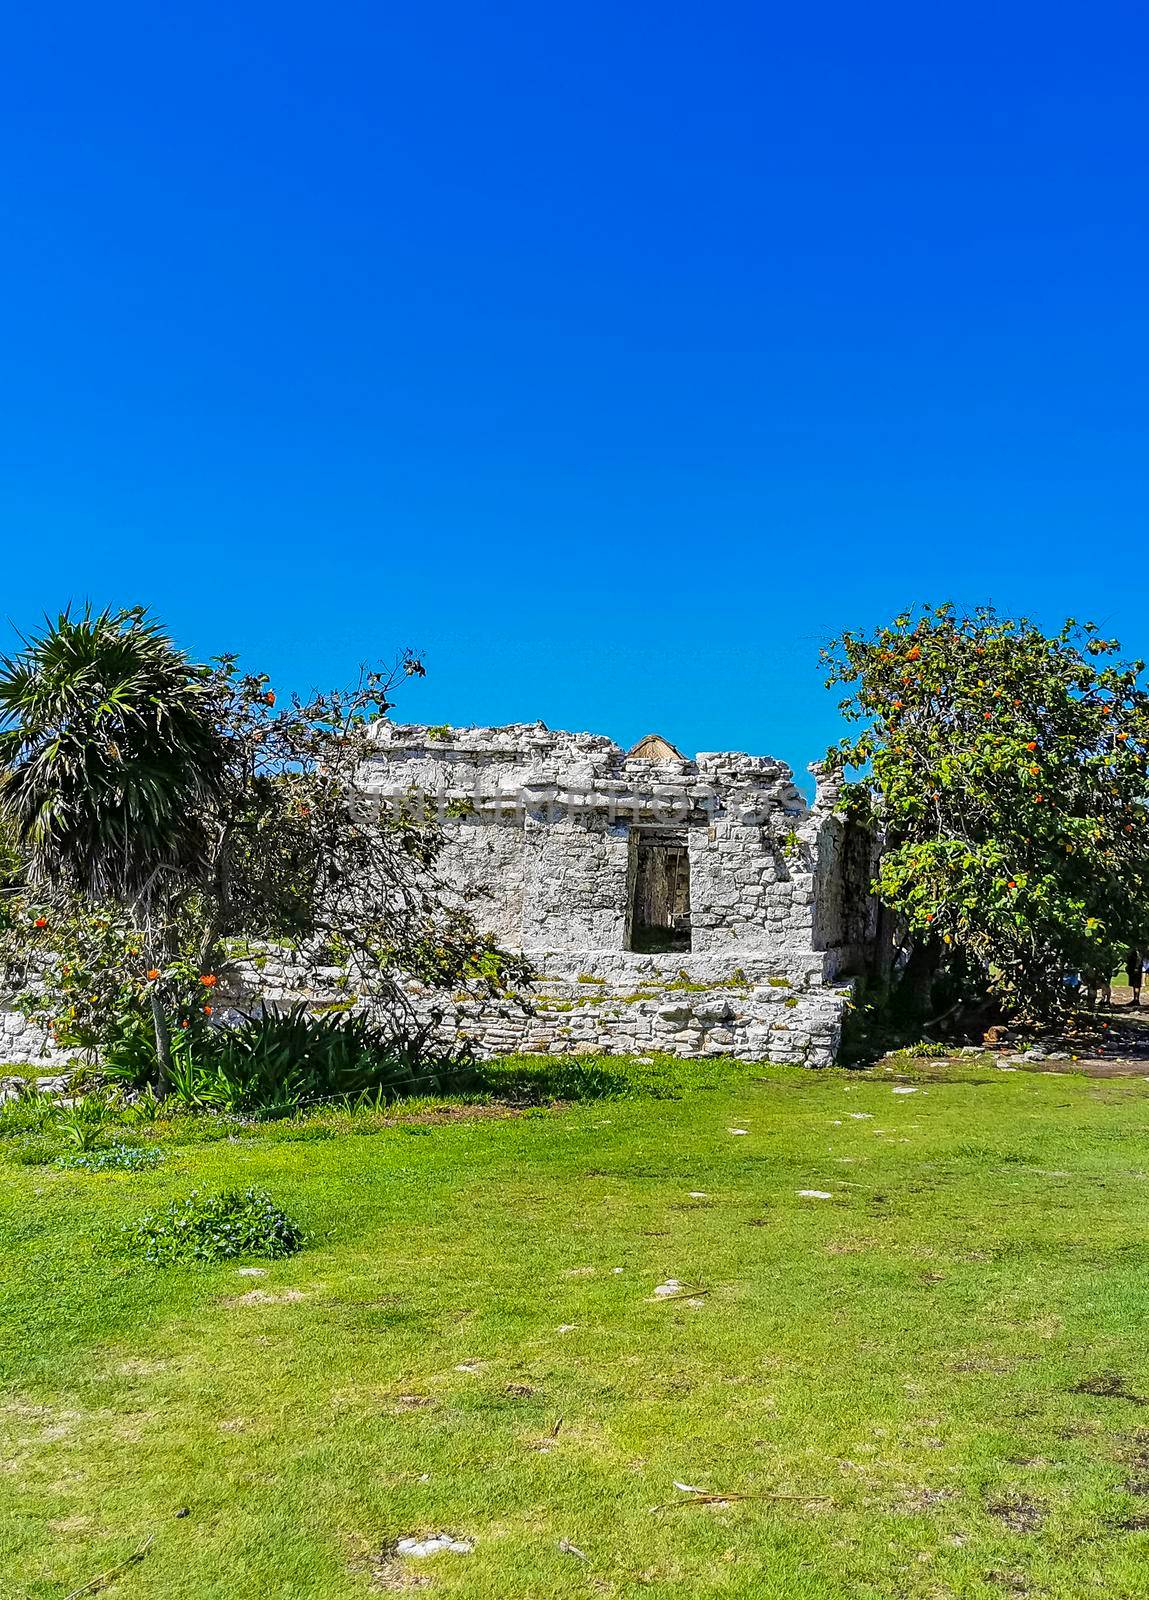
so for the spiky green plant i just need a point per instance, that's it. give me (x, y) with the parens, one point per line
(111, 756)
(110, 749)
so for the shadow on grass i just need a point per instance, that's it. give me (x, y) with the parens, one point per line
(524, 1081)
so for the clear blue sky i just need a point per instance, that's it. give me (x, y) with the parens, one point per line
(615, 355)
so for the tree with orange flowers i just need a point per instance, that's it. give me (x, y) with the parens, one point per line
(1006, 769)
(167, 816)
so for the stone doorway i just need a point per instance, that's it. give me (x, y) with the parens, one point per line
(659, 876)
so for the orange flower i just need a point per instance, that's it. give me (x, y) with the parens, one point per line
(915, 654)
(153, 974)
(988, 715)
(209, 980)
(1035, 770)
(898, 704)
(1012, 884)
(1039, 798)
(207, 1010)
(269, 697)
(929, 916)
(41, 922)
(1123, 736)
(1032, 745)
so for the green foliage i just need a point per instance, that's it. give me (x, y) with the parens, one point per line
(110, 748)
(278, 1063)
(82, 1124)
(220, 1227)
(1007, 770)
(170, 817)
(32, 1112)
(114, 1158)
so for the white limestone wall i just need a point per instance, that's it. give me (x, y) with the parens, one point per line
(540, 856)
(547, 839)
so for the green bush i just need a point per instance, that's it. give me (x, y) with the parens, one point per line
(219, 1227)
(280, 1063)
(82, 1123)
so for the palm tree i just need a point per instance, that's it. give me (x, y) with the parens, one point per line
(112, 757)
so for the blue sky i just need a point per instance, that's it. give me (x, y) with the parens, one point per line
(613, 355)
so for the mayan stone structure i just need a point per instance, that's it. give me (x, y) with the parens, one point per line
(696, 906)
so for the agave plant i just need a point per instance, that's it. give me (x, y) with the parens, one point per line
(275, 1064)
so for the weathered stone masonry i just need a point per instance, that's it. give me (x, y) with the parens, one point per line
(698, 907)
(566, 844)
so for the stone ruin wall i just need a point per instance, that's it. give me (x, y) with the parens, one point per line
(542, 829)
(544, 855)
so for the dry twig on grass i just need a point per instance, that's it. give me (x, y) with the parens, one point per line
(94, 1585)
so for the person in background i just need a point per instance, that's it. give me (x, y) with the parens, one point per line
(1134, 969)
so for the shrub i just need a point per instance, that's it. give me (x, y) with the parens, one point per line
(219, 1227)
(82, 1123)
(278, 1064)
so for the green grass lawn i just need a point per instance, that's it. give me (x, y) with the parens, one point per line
(470, 1343)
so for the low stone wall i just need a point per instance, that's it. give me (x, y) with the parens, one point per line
(614, 1003)
(22, 1043)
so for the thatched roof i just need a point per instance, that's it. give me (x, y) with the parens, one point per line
(654, 748)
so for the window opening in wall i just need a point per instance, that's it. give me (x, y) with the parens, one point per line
(659, 910)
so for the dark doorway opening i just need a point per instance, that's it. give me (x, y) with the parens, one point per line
(659, 892)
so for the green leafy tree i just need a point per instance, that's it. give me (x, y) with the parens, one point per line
(1006, 769)
(276, 842)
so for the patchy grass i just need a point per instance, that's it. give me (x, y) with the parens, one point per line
(932, 1384)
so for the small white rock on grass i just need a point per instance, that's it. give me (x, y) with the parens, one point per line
(738, 1130)
(905, 1089)
(418, 1548)
(815, 1194)
(671, 1287)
